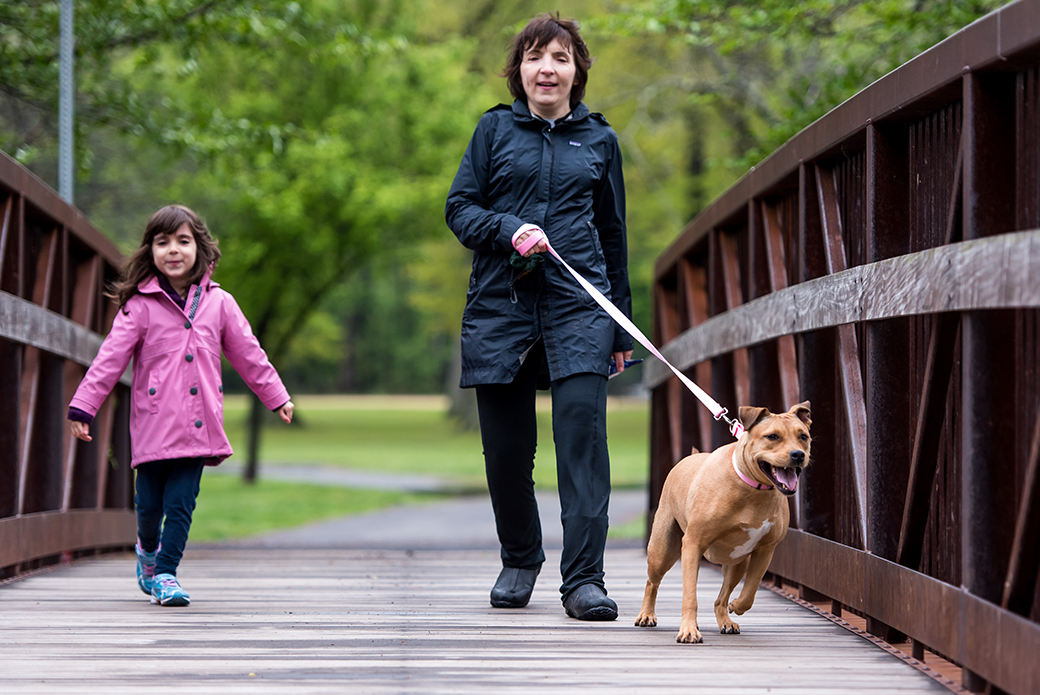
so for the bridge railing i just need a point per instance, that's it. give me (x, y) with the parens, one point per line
(885, 265)
(59, 497)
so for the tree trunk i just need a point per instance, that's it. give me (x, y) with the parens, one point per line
(256, 418)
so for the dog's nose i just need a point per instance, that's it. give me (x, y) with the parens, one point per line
(797, 456)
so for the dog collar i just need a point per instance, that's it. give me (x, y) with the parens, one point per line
(753, 483)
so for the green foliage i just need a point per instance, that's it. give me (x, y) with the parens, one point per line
(118, 49)
(778, 66)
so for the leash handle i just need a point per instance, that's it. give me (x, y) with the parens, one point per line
(735, 428)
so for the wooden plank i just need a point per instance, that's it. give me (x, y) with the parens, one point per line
(1020, 584)
(778, 280)
(944, 617)
(321, 621)
(992, 273)
(33, 536)
(24, 322)
(695, 280)
(850, 376)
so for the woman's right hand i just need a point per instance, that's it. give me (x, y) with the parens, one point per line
(526, 232)
(80, 430)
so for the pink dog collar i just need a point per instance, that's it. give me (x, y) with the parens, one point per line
(753, 483)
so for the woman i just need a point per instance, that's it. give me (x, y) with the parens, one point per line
(544, 163)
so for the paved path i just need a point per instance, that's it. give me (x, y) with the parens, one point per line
(393, 621)
(460, 522)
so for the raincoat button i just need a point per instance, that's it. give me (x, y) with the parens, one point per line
(221, 388)
(151, 391)
(194, 390)
(188, 358)
(198, 423)
(187, 324)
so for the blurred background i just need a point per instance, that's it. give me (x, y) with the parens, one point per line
(318, 139)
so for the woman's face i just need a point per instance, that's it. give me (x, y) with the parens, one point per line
(547, 73)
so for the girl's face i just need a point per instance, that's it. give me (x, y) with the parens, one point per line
(174, 255)
(547, 73)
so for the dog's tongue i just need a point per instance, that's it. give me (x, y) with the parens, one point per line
(786, 476)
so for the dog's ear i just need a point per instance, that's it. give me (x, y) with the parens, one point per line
(802, 412)
(749, 417)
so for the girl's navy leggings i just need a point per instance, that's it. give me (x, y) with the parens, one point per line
(166, 489)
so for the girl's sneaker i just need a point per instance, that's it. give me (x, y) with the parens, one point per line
(167, 592)
(145, 568)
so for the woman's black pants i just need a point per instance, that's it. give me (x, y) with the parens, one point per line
(509, 433)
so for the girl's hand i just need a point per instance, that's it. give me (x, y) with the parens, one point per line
(80, 430)
(619, 360)
(285, 412)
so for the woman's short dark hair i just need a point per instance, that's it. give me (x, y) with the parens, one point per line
(541, 31)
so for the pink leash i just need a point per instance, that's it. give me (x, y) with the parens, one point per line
(536, 235)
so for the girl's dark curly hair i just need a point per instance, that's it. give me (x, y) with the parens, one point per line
(141, 265)
(540, 31)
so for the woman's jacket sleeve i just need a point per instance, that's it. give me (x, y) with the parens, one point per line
(609, 216)
(466, 211)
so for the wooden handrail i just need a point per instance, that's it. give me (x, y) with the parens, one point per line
(62, 498)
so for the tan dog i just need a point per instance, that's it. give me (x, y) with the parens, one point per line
(729, 506)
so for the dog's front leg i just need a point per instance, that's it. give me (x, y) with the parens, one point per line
(757, 567)
(731, 575)
(691, 564)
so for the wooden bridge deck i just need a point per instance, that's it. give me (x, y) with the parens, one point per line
(321, 621)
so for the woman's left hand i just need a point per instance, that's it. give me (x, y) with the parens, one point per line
(619, 360)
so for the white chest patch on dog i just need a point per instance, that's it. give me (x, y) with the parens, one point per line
(754, 536)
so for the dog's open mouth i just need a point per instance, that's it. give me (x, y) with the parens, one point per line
(784, 478)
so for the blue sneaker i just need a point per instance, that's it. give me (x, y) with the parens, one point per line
(167, 592)
(145, 568)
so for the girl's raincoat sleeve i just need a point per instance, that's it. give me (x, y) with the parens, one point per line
(111, 360)
(249, 359)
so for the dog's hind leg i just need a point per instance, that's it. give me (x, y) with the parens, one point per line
(731, 576)
(662, 553)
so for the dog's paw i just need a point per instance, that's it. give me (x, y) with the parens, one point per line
(729, 628)
(737, 607)
(689, 635)
(646, 620)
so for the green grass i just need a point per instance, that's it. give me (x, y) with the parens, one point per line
(228, 508)
(412, 435)
(406, 434)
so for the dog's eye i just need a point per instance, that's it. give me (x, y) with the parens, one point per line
(773, 437)
(804, 437)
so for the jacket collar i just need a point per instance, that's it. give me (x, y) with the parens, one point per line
(152, 286)
(523, 114)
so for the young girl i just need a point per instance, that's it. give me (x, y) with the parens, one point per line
(174, 321)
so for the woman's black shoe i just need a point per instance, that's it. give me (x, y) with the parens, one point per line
(513, 587)
(590, 602)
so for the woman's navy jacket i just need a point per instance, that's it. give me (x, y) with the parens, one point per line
(567, 180)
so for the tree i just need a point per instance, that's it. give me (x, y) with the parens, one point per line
(370, 125)
(772, 67)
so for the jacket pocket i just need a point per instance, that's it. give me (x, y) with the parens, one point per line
(594, 235)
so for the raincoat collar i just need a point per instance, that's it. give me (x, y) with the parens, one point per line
(523, 114)
(152, 286)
